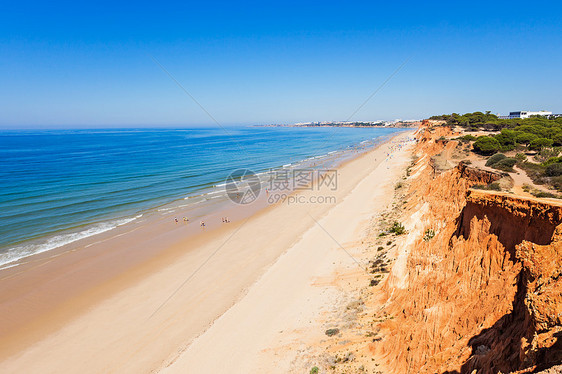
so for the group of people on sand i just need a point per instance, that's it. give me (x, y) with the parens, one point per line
(202, 223)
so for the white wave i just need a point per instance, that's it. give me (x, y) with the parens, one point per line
(214, 192)
(22, 251)
(165, 209)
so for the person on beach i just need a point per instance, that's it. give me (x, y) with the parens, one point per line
(202, 224)
(176, 219)
(185, 219)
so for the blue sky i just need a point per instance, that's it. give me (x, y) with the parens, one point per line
(66, 64)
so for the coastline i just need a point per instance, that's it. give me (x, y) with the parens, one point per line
(278, 323)
(134, 283)
(196, 204)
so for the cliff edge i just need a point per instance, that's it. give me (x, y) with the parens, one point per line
(483, 293)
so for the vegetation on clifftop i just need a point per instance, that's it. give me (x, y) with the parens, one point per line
(534, 133)
(539, 137)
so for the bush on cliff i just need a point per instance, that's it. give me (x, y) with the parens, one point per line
(521, 157)
(552, 160)
(486, 145)
(397, 228)
(494, 186)
(525, 138)
(557, 139)
(506, 164)
(540, 143)
(556, 182)
(467, 138)
(553, 170)
(495, 158)
(541, 132)
(428, 235)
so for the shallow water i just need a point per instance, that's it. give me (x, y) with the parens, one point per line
(59, 186)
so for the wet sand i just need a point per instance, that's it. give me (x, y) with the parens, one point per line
(117, 307)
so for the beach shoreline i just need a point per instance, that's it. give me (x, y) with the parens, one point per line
(116, 251)
(91, 291)
(26, 234)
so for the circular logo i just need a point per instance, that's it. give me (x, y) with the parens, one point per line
(243, 186)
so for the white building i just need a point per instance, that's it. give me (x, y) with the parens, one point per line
(527, 114)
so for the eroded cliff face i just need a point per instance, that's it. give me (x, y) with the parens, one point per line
(485, 292)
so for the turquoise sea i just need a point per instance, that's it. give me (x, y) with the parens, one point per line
(58, 186)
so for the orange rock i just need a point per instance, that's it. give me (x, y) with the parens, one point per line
(485, 293)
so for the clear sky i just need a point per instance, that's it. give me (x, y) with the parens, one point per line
(67, 64)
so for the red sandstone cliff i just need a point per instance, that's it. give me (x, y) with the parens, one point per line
(485, 293)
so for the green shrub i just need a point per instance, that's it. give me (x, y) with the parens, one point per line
(557, 182)
(486, 145)
(510, 162)
(553, 170)
(545, 194)
(520, 157)
(314, 370)
(492, 186)
(540, 143)
(547, 153)
(332, 332)
(506, 138)
(507, 147)
(495, 158)
(506, 164)
(557, 139)
(467, 138)
(397, 228)
(525, 138)
(428, 235)
(552, 160)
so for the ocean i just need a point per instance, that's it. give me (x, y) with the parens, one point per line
(59, 186)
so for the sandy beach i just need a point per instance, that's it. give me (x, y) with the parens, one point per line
(239, 298)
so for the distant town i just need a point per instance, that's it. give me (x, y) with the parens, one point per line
(395, 123)
(404, 123)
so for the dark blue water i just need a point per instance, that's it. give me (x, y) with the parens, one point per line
(86, 181)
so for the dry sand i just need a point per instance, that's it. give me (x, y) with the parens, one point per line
(240, 300)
